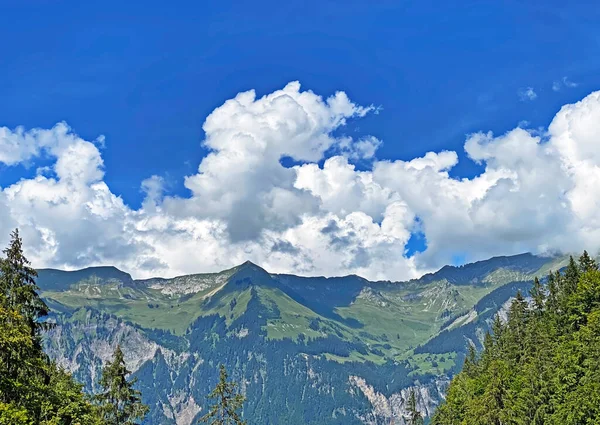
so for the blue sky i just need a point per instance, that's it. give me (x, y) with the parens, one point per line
(147, 74)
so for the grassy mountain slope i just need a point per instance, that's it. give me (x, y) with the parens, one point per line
(403, 332)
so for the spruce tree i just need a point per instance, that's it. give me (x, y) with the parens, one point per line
(120, 403)
(17, 284)
(517, 318)
(33, 390)
(414, 416)
(570, 279)
(552, 302)
(470, 365)
(587, 263)
(497, 327)
(538, 295)
(227, 403)
(488, 349)
(23, 364)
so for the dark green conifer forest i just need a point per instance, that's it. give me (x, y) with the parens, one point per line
(541, 365)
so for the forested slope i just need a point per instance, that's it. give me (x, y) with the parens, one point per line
(541, 365)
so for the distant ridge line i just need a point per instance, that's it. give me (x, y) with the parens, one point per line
(447, 270)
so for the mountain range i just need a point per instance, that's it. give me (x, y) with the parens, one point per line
(305, 350)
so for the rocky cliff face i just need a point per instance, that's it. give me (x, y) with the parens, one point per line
(85, 343)
(90, 340)
(392, 410)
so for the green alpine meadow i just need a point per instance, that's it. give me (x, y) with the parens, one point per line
(484, 343)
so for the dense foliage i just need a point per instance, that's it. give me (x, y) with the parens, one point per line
(541, 365)
(33, 389)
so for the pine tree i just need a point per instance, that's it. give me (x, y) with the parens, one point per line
(33, 390)
(24, 363)
(516, 324)
(228, 402)
(587, 263)
(120, 403)
(414, 416)
(570, 279)
(20, 362)
(538, 295)
(470, 365)
(488, 350)
(18, 288)
(497, 328)
(552, 293)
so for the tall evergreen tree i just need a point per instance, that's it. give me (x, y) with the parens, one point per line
(570, 279)
(552, 302)
(120, 403)
(516, 324)
(497, 327)
(587, 263)
(470, 365)
(538, 295)
(33, 390)
(17, 284)
(24, 365)
(21, 365)
(414, 416)
(228, 401)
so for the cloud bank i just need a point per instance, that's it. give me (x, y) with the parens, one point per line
(539, 192)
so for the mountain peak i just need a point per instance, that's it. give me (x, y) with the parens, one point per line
(250, 265)
(250, 273)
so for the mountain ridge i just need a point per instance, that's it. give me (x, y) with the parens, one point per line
(352, 347)
(442, 271)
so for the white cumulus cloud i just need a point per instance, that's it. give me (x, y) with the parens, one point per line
(538, 192)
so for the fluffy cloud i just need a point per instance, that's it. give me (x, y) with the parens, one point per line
(242, 180)
(538, 193)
